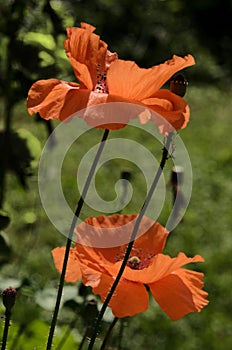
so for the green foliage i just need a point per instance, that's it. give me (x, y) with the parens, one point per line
(34, 337)
(39, 39)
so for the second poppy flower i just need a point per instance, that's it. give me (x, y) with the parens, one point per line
(177, 290)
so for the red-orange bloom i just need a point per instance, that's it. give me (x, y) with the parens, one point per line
(178, 291)
(105, 78)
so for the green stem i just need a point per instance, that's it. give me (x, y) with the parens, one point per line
(6, 328)
(69, 240)
(132, 239)
(108, 333)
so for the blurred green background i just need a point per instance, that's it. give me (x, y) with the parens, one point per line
(148, 32)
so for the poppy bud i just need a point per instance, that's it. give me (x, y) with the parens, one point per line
(8, 297)
(178, 84)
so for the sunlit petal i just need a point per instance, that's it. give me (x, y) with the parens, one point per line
(128, 299)
(73, 272)
(86, 53)
(127, 79)
(180, 293)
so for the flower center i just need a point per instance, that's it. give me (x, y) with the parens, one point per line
(134, 263)
(101, 84)
(138, 260)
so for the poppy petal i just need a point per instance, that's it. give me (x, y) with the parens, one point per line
(114, 232)
(180, 293)
(104, 233)
(173, 111)
(108, 107)
(125, 78)
(109, 232)
(160, 267)
(73, 272)
(128, 299)
(55, 99)
(86, 53)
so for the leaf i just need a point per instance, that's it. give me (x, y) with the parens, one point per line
(46, 59)
(45, 40)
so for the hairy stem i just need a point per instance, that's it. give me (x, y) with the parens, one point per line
(6, 328)
(69, 240)
(133, 236)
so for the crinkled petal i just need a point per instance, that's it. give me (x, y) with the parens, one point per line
(161, 266)
(86, 53)
(58, 100)
(171, 111)
(73, 272)
(101, 235)
(109, 231)
(180, 293)
(107, 112)
(126, 79)
(128, 299)
(55, 99)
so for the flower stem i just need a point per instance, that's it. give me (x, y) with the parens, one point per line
(108, 333)
(132, 239)
(6, 328)
(69, 240)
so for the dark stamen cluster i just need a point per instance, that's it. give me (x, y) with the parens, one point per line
(101, 85)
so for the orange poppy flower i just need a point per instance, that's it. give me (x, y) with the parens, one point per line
(178, 291)
(105, 78)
